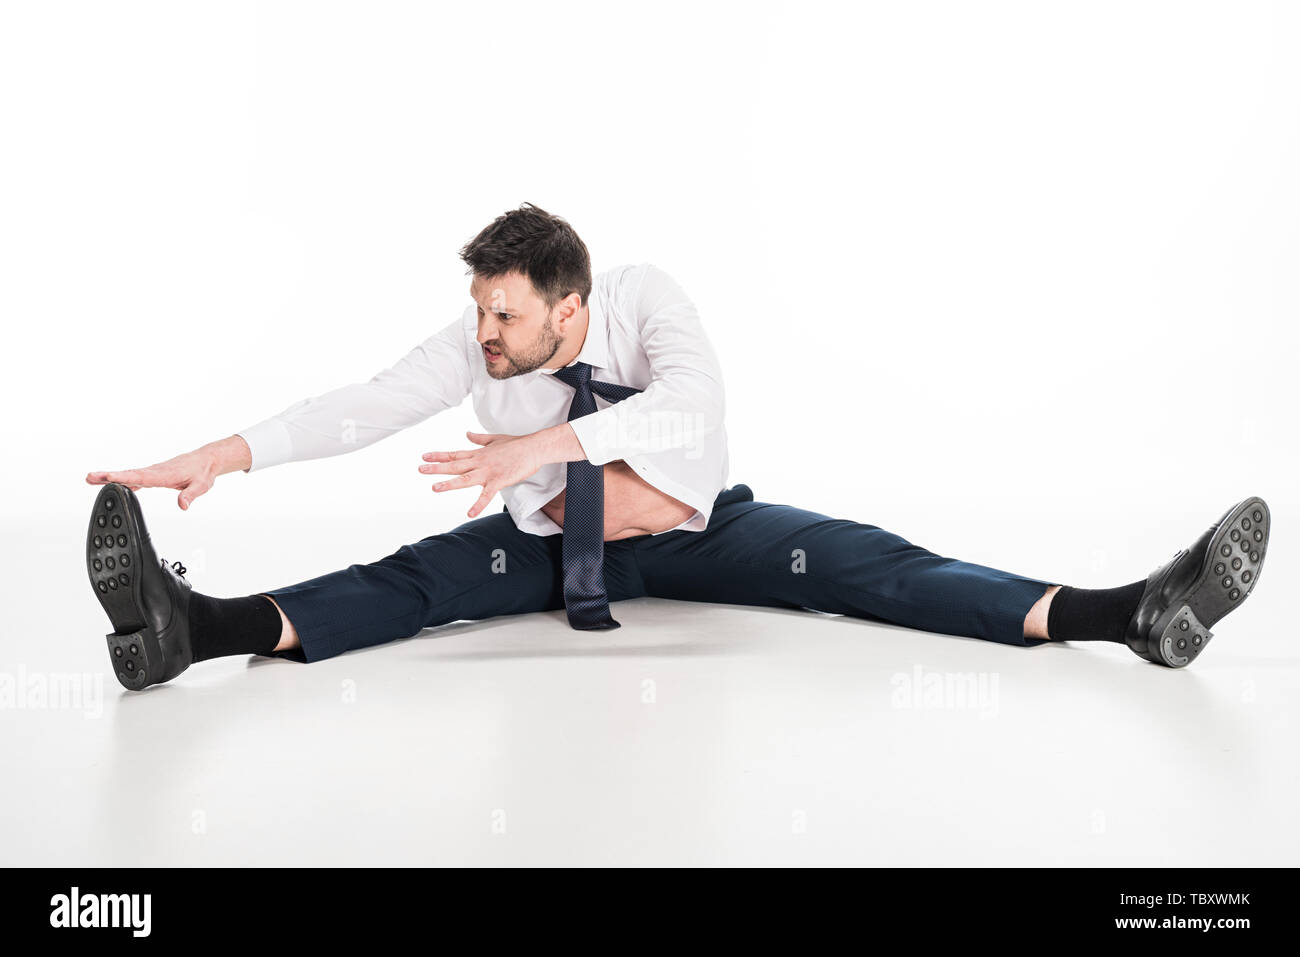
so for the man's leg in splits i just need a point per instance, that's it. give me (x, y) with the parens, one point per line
(483, 568)
(756, 553)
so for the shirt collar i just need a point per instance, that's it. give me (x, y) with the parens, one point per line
(595, 348)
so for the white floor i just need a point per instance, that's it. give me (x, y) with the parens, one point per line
(696, 734)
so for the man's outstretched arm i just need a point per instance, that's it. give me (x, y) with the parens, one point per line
(191, 472)
(433, 376)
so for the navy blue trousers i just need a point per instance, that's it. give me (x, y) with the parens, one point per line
(752, 553)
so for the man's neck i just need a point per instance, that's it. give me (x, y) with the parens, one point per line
(573, 342)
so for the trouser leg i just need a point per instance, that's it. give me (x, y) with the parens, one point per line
(483, 568)
(757, 553)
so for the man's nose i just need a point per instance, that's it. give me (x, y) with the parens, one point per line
(487, 331)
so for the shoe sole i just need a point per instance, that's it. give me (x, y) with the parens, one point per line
(113, 561)
(1229, 573)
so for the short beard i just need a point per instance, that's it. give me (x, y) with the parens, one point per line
(538, 354)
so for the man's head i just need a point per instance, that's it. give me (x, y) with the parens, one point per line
(531, 279)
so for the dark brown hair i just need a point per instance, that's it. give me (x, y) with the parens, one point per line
(542, 247)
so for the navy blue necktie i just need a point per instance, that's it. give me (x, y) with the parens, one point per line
(583, 545)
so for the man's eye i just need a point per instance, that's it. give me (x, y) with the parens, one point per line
(505, 315)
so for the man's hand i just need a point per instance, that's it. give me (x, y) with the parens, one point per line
(193, 473)
(503, 460)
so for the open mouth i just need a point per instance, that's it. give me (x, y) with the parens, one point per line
(492, 354)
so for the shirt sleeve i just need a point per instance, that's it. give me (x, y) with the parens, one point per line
(433, 376)
(684, 402)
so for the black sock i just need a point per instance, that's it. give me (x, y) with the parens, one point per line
(233, 626)
(1092, 614)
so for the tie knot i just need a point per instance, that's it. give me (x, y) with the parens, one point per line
(575, 375)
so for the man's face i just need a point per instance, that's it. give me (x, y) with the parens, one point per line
(516, 332)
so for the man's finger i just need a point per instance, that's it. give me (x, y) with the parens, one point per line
(134, 477)
(482, 502)
(190, 493)
(459, 481)
(481, 438)
(447, 468)
(448, 456)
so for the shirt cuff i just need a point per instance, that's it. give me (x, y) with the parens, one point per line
(593, 432)
(269, 442)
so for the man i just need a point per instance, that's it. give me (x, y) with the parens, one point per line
(603, 400)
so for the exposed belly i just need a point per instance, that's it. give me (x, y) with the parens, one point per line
(632, 505)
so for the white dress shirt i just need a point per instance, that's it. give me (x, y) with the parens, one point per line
(643, 332)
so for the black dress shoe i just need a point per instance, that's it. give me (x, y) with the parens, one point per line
(146, 599)
(1186, 596)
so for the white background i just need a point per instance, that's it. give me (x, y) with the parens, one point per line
(1015, 280)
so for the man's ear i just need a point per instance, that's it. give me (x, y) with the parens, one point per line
(567, 308)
